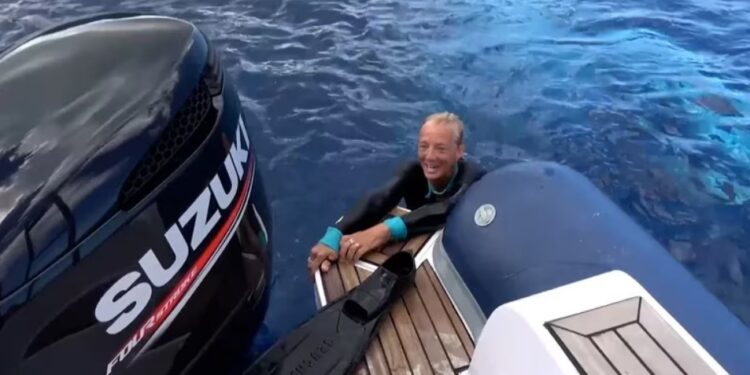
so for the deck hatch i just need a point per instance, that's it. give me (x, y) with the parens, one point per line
(625, 337)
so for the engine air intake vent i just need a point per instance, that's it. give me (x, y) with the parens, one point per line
(187, 129)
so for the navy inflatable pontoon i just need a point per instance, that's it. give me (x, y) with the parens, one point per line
(532, 228)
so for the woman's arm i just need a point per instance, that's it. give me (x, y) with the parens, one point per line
(372, 208)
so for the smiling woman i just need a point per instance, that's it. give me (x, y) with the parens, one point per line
(429, 186)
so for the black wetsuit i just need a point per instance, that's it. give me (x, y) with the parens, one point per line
(428, 209)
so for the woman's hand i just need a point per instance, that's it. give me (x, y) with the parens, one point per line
(355, 245)
(321, 256)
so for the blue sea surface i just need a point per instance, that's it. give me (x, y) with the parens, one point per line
(649, 99)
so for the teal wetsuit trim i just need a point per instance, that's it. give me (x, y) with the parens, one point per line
(431, 189)
(332, 238)
(397, 227)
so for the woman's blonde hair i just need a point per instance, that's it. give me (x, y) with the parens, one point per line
(449, 119)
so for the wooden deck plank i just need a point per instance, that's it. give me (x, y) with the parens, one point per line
(333, 284)
(362, 274)
(446, 331)
(376, 361)
(392, 348)
(414, 244)
(463, 334)
(392, 248)
(348, 276)
(409, 339)
(426, 332)
(375, 258)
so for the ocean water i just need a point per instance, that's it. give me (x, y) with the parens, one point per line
(649, 99)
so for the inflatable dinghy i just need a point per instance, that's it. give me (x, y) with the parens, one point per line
(537, 272)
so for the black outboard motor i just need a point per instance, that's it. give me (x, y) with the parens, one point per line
(134, 227)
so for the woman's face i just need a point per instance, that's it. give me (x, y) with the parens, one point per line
(438, 152)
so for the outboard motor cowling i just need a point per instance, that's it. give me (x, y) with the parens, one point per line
(134, 227)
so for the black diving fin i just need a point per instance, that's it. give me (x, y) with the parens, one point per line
(335, 340)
